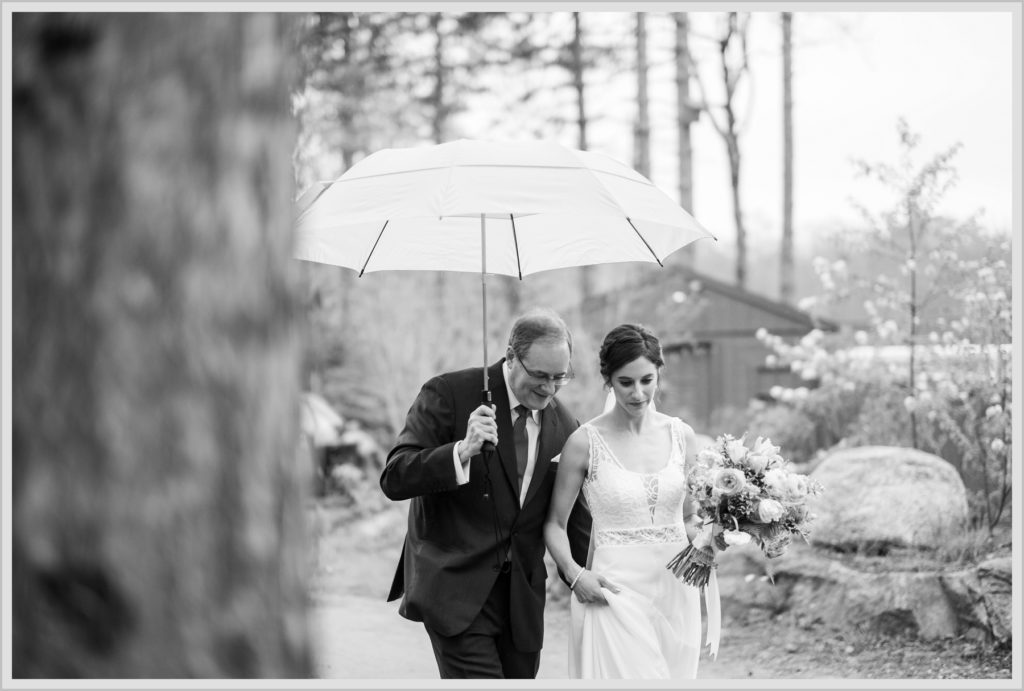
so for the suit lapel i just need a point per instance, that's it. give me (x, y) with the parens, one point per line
(547, 448)
(503, 412)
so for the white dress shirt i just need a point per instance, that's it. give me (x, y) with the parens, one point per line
(532, 435)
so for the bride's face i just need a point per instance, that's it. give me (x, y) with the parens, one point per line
(634, 385)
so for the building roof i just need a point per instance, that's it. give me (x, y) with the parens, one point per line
(683, 306)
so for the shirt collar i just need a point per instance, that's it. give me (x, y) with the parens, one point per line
(512, 400)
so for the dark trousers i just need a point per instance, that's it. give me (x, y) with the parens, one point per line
(485, 650)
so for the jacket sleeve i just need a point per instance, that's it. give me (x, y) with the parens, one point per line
(421, 460)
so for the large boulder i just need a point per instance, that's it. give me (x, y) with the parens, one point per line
(878, 497)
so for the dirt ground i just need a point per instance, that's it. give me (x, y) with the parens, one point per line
(358, 635)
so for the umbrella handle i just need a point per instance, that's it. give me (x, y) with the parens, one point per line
(488, 447)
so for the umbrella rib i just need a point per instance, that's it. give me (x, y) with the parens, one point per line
(373, 248)
(515, 239)
(644, 241)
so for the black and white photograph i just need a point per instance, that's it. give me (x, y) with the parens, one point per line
(617, 344)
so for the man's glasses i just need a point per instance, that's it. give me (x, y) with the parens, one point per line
(556, 379)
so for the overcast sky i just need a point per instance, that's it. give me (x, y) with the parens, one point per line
(949, 74)
(855, 74)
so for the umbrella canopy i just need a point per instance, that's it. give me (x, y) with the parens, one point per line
(511, 208)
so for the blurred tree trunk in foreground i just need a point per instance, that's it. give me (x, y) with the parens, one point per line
(158, 527)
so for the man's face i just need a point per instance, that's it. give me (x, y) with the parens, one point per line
(531, 377)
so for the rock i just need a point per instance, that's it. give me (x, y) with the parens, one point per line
(878, 497)
(891, 603)
(745, 578)
(965, 596)
(995, 578)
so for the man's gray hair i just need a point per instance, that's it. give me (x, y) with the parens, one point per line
(539, 324)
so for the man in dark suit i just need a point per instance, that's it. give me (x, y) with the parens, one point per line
(472, 566)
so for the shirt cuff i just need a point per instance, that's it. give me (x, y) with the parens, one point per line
(461, 471)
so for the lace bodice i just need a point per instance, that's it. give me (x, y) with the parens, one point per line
(630, 507)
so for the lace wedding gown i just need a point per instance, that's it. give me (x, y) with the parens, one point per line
(651, 629)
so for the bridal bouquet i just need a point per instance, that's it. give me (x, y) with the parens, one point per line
(743, 493)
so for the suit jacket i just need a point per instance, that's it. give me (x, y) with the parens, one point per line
(456, 535)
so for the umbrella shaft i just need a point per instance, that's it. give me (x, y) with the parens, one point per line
(483, 288)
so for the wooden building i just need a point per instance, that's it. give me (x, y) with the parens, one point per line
(713, 359)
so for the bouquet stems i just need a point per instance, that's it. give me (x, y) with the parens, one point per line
(693, 565)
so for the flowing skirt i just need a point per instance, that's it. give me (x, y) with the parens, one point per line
(651, 629)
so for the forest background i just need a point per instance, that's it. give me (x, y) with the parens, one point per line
(773, 129)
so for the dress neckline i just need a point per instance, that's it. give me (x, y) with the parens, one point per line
(668, 464)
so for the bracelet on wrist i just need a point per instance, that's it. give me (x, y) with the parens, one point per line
(578, 574)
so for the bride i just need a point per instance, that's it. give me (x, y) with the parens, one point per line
(631, 618)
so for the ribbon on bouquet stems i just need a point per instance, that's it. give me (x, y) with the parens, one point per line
(696, 562)
(696, 565)
(712, 601)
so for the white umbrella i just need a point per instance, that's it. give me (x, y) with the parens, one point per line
(510, 208)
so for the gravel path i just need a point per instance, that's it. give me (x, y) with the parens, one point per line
(358, 635)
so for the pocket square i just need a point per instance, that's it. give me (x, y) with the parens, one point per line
(557, 458)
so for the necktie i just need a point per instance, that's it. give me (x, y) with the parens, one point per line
(520, 438)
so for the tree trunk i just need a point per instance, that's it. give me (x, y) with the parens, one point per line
(687, 114)
(438, 116)
(786, 269)
(642, 132)
(912, 235)
(731, 75)
(437, 99)
(737, 211)
(586, 272)
(577, 80)
(158, 526)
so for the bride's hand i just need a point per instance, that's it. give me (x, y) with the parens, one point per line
(588, 589)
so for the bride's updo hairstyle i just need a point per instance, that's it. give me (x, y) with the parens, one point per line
(626, 343)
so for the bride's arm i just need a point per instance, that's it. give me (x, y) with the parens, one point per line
(691, 518)
(585, 584)
(572, 468)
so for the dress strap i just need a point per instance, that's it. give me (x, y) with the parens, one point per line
(679, 441)
(592, 461)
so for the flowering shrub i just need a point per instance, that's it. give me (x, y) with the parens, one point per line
(957, 402)
(932, 368)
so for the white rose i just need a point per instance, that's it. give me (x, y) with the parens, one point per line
(757, 463)
(709, 456)
(796, 486)
(736, 537)
(769, 510)
(736, 449)
(764, 446)
(775, 479)
(728, 481)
